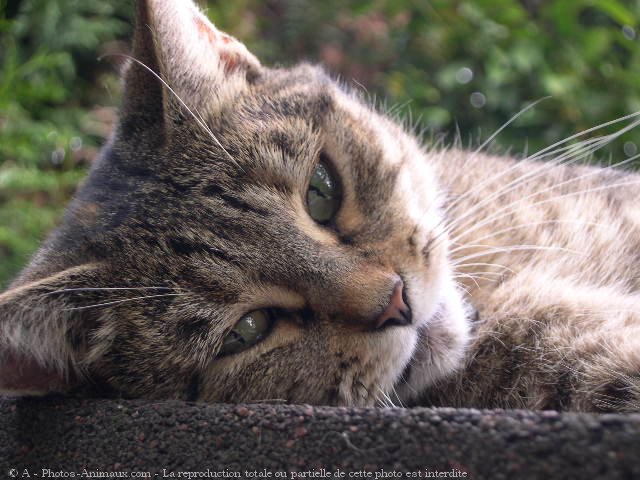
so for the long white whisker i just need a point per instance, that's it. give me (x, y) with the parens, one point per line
(388, 402)
(513, 248)
(124, 300)
(507, 123)
(395, 393)
(107, 289)
(503, 213)
(478, 274)
(463, 246)
(515, 184)
(473, 278)
(198, 118)
(550, 150)
(575, 151)
(578, 149)
(567, 150)
(503, 267)
(584, 132)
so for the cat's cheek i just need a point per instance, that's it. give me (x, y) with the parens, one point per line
(442, 344)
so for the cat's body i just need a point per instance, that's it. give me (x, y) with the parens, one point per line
(553, 252)
(200, 214)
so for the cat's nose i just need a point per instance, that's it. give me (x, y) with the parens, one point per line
(397, 312)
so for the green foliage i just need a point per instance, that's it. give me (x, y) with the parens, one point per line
(50, 82)
(439, 58)
(462, 66)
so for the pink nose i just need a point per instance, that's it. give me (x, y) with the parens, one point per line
(397, 312)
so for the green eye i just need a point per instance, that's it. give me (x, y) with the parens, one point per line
(249, 330)
(324, 194)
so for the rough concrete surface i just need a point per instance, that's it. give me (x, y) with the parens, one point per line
(79, 438)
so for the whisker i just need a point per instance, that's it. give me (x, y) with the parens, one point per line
(525, 225)
(589, 130)
(590, 312)
(395, 393)
(516, 183)
(107, 289)
(574, 154)
(507, 123)
(461, 287)
(386, 401)
(550, 151)
(513, 248)
(478, 275)
(504, 213)
(541, 169)
(84, 307)
(474, 274)
(488, 265)
(474, 279)
(576, 151)
(198, 118)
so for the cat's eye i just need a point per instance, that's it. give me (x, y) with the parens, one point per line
(324, 195)
(250, 329)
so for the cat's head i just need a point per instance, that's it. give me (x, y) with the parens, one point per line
(247, 234)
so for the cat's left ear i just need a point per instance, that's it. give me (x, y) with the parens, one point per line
(44, 334)
(202, 67)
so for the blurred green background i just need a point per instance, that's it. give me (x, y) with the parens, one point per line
(456, 67)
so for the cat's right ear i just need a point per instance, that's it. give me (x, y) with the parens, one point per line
(181, 63)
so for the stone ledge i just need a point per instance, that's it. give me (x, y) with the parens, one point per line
(163, 437)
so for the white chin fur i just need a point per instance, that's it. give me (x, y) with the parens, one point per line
(441, 345)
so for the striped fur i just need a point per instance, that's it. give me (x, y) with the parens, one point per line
(195, 214)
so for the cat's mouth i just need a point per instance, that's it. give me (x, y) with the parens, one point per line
(439, 349)
(421, 351)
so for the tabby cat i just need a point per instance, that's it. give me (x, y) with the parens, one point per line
(252, 234)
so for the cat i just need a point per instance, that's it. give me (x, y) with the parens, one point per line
(252, 234)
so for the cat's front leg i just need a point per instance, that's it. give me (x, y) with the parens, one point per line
(545, 343)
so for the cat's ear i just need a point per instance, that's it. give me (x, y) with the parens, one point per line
(181, 61)
(43, 333)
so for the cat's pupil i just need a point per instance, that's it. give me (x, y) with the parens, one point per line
(324, 195)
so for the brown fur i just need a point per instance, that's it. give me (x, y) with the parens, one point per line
(195, 214)
(558, 328)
